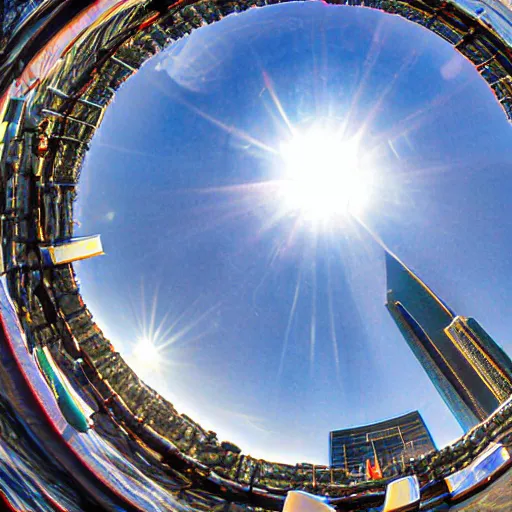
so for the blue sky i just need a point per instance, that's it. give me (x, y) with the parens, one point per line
(165, 184)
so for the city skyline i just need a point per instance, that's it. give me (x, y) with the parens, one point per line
(259, 331)
(208, 265)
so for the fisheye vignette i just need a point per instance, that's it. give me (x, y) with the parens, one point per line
(82, 417)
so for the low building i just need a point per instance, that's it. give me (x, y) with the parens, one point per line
(389, 444)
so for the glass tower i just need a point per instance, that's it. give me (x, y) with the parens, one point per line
(487, 358)
(470, 371)
(391, 442)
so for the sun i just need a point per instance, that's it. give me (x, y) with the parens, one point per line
(145, 356)
(323, 175)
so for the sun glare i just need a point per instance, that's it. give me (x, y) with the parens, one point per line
(323, 176)
(146, 356)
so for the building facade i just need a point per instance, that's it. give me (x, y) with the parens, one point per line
(487, 358)
(389, 444)
(470, 371)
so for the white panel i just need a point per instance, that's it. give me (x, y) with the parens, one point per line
(402, 495)
(298, 501)
(74, 250)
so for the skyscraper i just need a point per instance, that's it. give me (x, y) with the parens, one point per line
(487, 358)
(470, 371)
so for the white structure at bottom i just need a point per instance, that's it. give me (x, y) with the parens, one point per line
(402, 495)
(494, 459)
(298, 501)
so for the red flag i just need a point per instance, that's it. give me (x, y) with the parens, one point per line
(373, 472)
(369, 475)
(377, 472)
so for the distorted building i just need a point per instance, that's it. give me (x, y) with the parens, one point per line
(469, 370)
(389, 444)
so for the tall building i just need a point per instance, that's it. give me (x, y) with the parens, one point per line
(469, 370)
(487, 358)
(389, 444)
